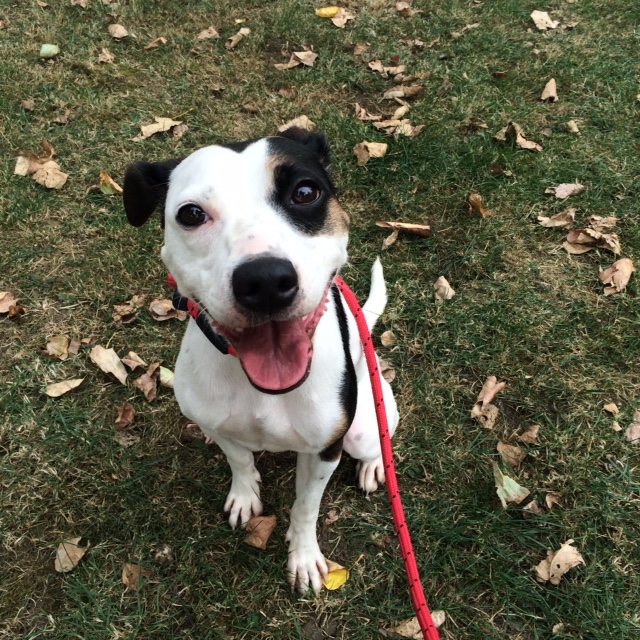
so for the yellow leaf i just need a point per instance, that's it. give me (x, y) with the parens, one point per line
(328, 12)
(336, 577)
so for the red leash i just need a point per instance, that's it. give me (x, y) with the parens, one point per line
(425, 620)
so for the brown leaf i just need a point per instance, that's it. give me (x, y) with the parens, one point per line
(361, 48)
(543, 21)
(126, 439)
(105, 57)
(117, 31)
(163, 554)
(342, 17)
(63, 118)
(303, 122)
(572, 126)
(58, 389)
(179, 130)
(444, 291)
(387, 371)
(564, 219)
(79, 3)
(127, 312)
(486, 416)
(405, 10)
(490, 390)
(331, 517)
(133, 360)
(28, 105)
(593, 239)
(16, 310)
(234, 41)
(557, 564)
(148, 385)
(604, 225)
(69, 554)
(286, 92)
(162, 310)
(109, 362)
(132, 575)
(612, 407)
(307, 58)
(388, 339)
(483, 411)
(552, 498)
(153, 44)
(7, 301)
(403, 91)
(532, 509)
(423, 230)
(530, 436)
(74, 347)
(514, 133)
(617, 276)
(126, 413)
(475, 205)
(362, 114)
(632, 434)
(511, 454)
(366, 150)
(260, 529)
(376, 65)
(390, 239)
(50, 176)
(191, 432)
(58, 347)
(159, 126)
(208, 33)
(565, 190)
(550, 91)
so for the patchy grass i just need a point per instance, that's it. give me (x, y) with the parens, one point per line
(524, 311)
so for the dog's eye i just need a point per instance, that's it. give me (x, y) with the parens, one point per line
(305, 193)
(190, 215)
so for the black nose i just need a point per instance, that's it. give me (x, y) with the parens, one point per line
(265, 285)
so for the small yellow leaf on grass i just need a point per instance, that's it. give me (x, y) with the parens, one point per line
(117, 31)
(159, 126)
(572, 126)
(132, 575)
(303, 122)
(328, 12)
(550, 91)
(617, 276)
(564, 219)
(233, 42)
(336, 577)
(388, 339)
(364, 151)
(557, 564)
(69, 554)
(632, 434)
(475, 205)
(507, 488)
(543, 21)
(422, 230)
(444, 291)
(60, 388)
(109, 362)
(260, 529)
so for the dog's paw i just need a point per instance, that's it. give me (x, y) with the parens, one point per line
(306, 567)
(243, 502)
(370, 475)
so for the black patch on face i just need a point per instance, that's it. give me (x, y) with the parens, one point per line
(349, 384)
(301, 165)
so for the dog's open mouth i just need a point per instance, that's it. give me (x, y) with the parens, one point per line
(276, 355)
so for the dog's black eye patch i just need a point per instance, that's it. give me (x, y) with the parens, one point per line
(191, 215)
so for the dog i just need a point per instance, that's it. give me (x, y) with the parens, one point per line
(254, 235)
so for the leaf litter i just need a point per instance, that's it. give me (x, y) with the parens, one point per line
(616, 278)
(364, 151)
(234, 41)
(109, 362)
(58, 389)
(126, 414)
(159, 126)
(483, 411)
(259, 530)
(558, 563)
(632, 434)
(564, 220)
(132, 576)
(550, 92)
(41, 167)
(507, 488)
(514, 134)
(443, 290)
(69, 554)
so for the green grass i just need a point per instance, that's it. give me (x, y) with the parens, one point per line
(524, 311)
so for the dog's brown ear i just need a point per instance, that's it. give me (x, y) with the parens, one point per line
(315, 142)
(145, 189)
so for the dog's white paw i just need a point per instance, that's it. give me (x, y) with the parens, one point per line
(243, 501)
(370, 475)
(306, 566)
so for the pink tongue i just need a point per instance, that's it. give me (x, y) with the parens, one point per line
(275, 355)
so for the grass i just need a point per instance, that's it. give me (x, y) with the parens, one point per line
(524, 311)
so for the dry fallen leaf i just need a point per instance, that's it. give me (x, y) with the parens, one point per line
(572, 126)
(109, 362)
(388, 339)
(565, 190)
(376, 65)
(132, 575)
(563, 220)
(552, 498)
(7, 300)
(405, 10)
(63, 118)
(530, 436)
(208, 33)
(532, 509)
(366, 150)
(58, 347)
(511, 454)
(387, 371)
(328, 12)
(423, 230)
(514, 133)
(490, 390)
(41, 167)
(234, 41)
(191, 432)
(443, 290)
(390, 240)
(507, 488)
(543, 21)
(58, 389)
(127, 439)
(303, 122)
(148, 382)
(550, 91)
(79, 3)
(475, 205)
(557, 564)
(159, 126)
(583, 240)
(126, 413)
(163, 554)
(107, 185)
(133, 360)
(155, 43)
(403, 91)
(483, 411)
(117, 31)
(166, 377)
(361, 48)
(336, 577)
(340, 17)
(105, 57)
(617, 276)
(260, 529)
(162, 310)
(411, 628)
(632, 434)
(331, 517)
(69, 554)
(362, 114)
(612, 407)
(604, 225)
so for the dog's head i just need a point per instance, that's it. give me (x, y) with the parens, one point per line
(253, 234)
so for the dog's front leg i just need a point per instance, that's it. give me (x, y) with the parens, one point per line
(243, 501)
(306, 566)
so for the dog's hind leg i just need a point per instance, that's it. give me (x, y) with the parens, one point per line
(243, 501)
(306, 566)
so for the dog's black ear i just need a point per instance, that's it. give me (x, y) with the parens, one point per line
(315, 142)
(145, 189)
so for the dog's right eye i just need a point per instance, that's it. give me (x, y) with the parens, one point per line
(190, 215)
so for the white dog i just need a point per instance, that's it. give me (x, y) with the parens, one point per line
(254, 236)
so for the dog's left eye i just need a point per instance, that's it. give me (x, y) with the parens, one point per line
(305, 193)
(190, 215)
